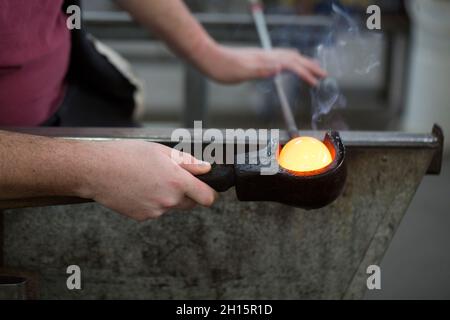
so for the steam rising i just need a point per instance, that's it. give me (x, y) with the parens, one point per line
(344, 51)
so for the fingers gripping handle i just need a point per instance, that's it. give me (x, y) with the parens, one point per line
(220, 178)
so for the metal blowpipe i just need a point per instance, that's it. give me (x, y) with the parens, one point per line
(261, 26)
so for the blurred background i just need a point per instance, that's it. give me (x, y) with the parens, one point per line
(396, 78)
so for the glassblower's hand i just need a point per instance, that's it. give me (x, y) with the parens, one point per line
(176, 26)
(142, 180)
(233, 65)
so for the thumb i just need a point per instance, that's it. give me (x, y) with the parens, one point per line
(190, 163)
(197, 169)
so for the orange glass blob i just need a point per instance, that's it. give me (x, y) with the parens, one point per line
(304, 154)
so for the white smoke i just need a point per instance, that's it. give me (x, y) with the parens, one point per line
(345, 50)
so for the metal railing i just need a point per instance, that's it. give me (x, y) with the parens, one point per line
(239, 28)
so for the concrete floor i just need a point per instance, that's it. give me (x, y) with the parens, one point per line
(417, 263)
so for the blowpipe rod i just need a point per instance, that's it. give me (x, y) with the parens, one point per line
(263, 33)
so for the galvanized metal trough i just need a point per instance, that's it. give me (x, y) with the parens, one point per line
(234, 250)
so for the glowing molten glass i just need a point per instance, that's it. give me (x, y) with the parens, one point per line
(304, 154)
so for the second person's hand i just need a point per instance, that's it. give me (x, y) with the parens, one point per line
(234, 65)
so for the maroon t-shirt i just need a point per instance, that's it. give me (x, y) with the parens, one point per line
(34, 57)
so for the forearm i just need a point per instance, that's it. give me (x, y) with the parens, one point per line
(139, 179)
(172, 21)
(32, 166)
(174, 24)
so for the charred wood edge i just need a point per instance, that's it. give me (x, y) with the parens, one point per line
(40, 202)
(31, 279)
(351, 139)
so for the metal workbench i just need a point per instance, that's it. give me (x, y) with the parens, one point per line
(234, 250)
